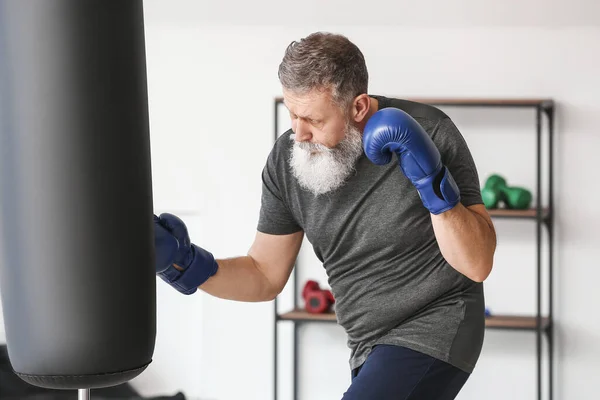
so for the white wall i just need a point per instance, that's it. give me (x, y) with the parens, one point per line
(212, 78)
(212, 69)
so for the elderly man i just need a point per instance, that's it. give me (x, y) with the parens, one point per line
(406, 245)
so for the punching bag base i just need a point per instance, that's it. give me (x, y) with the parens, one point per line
(69, 382)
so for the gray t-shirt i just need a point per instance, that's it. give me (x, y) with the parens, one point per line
(375, 239)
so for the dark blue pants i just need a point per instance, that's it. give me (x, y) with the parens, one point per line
(398, 373)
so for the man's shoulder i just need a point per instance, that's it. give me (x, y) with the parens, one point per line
(417, 110)
(280, 151)
(285, 139)
(282, 144)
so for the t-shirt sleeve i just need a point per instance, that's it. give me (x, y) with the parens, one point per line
(275, 216)
(457, 157)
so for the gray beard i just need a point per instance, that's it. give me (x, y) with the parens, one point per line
(328, 169)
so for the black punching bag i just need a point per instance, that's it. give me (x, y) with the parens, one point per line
(77, 246)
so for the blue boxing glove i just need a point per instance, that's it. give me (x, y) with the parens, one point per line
(391, 130)
(173, 247)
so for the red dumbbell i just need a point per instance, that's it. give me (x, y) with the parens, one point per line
(316, 300)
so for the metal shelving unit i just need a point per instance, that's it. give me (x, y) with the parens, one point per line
(543, 216)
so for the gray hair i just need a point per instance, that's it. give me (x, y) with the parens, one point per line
(325, 60)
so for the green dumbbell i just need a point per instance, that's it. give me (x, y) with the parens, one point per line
(496, 190)
(495, 182)
(492, 192)
(491, 198)
(518, 198)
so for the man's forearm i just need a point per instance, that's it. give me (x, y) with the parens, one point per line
(467, 241)
(239, 279)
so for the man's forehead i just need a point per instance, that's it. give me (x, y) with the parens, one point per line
(306, 105)
(305, 111)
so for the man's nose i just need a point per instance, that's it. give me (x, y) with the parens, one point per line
(302, 131)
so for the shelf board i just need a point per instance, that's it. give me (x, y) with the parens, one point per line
(515, 322)
(510, 102)
(493, 322)
(483, 102)
(507, 213)
(303, 315)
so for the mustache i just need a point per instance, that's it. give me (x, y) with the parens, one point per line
(306, 146)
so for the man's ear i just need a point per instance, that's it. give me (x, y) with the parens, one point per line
(360, 107)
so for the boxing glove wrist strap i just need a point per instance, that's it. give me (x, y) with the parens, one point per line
(201, 267)
(438, 192)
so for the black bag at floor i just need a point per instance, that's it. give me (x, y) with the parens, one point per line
(14, 388)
